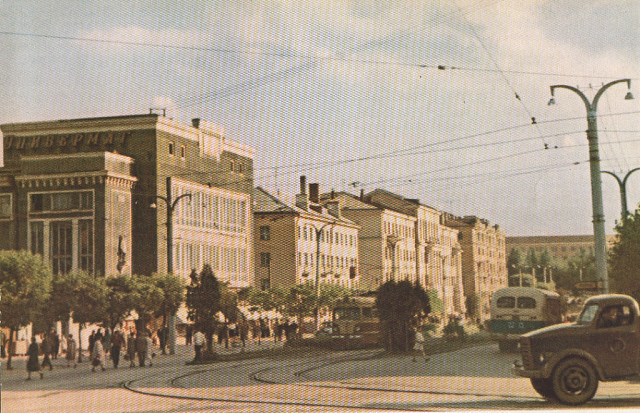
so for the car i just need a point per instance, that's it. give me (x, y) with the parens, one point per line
(565, 362)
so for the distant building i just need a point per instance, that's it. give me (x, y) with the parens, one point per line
(297, 243)
(484, 265)
(560, 247)
(88, 194)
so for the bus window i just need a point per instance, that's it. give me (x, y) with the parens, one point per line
(506, 302)
(346, 313)
(369, 312)
(526, 302)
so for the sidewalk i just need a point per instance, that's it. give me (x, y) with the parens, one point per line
(15, 377)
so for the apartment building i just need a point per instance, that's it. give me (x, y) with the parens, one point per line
(484, 267)
(304, 242)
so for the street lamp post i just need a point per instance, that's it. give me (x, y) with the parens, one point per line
(596, 182)
(171, 206)
(622, 183)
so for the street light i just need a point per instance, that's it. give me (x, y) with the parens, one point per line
(596, 182)
(622, 183)
(171, 206)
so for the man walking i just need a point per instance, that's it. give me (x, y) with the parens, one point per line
(198, 342)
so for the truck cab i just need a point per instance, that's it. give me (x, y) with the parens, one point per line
(565, 362)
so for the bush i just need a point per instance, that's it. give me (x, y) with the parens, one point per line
(454, 330)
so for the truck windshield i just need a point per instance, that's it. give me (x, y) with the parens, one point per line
(588, 314)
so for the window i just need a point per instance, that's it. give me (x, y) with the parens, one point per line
(37, 237)
(265, 233)
(265, 259)
(172, 148)
(526, 302)
(183, 151)
(61, 246)
(85, 247)
(5, 206)
(506, 302)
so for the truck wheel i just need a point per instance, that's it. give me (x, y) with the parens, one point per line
(544, 387)
(574, 381)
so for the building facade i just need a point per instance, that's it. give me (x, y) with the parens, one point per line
(95, 194)
(560, 247)
(484, 265)
(438, 264)
(305, 242)
(386, 240)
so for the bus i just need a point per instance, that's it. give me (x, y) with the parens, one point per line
(518, 310)
(355, 323)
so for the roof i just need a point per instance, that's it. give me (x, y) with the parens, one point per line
(265, 202)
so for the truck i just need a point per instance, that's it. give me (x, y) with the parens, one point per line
(565, 362)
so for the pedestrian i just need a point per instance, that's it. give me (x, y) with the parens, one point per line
(243, 332)
(33, 364)
(71, 352)
(419, 346)
(163, 334)
(46, 350)
(55, 344)
(189, 335)
(149, 349)
(97, 354)
(3, 342)
(117, 341)
(141, 348)
(131, 349)
(198, 342)
(92, 339)
(106, 341)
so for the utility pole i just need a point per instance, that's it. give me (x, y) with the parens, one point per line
(622, 183)
(171, 206)
(596, 182)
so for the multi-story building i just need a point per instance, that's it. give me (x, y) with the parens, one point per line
(438, 261)
(560, 247)
(95, 194)
(305, 242)
(386, 240)
(484, 266)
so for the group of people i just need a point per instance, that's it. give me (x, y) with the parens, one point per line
(103, 345)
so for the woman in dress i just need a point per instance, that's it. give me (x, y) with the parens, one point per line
(33, 364)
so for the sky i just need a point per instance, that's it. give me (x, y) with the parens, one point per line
(428, 99)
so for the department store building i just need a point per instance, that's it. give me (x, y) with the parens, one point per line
(93, 194)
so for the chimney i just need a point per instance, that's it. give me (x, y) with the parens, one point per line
(314, 193)
(361, 194)
(334, 208)
(302, 200)
(303, 184)
(195, 122)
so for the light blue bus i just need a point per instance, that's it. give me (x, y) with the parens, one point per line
(518, 310)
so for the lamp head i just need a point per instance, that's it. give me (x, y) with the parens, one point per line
(552, 101)
(629, 96)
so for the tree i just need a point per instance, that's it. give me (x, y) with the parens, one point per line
(25, 284)
(148, 299)
(121, 297)
(401, 307)
(89, 303)
(203, 301)
(514, 261)
(624, 257)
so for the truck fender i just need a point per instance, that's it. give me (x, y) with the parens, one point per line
(568, 353)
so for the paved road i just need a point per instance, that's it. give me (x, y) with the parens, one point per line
(474, 378)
